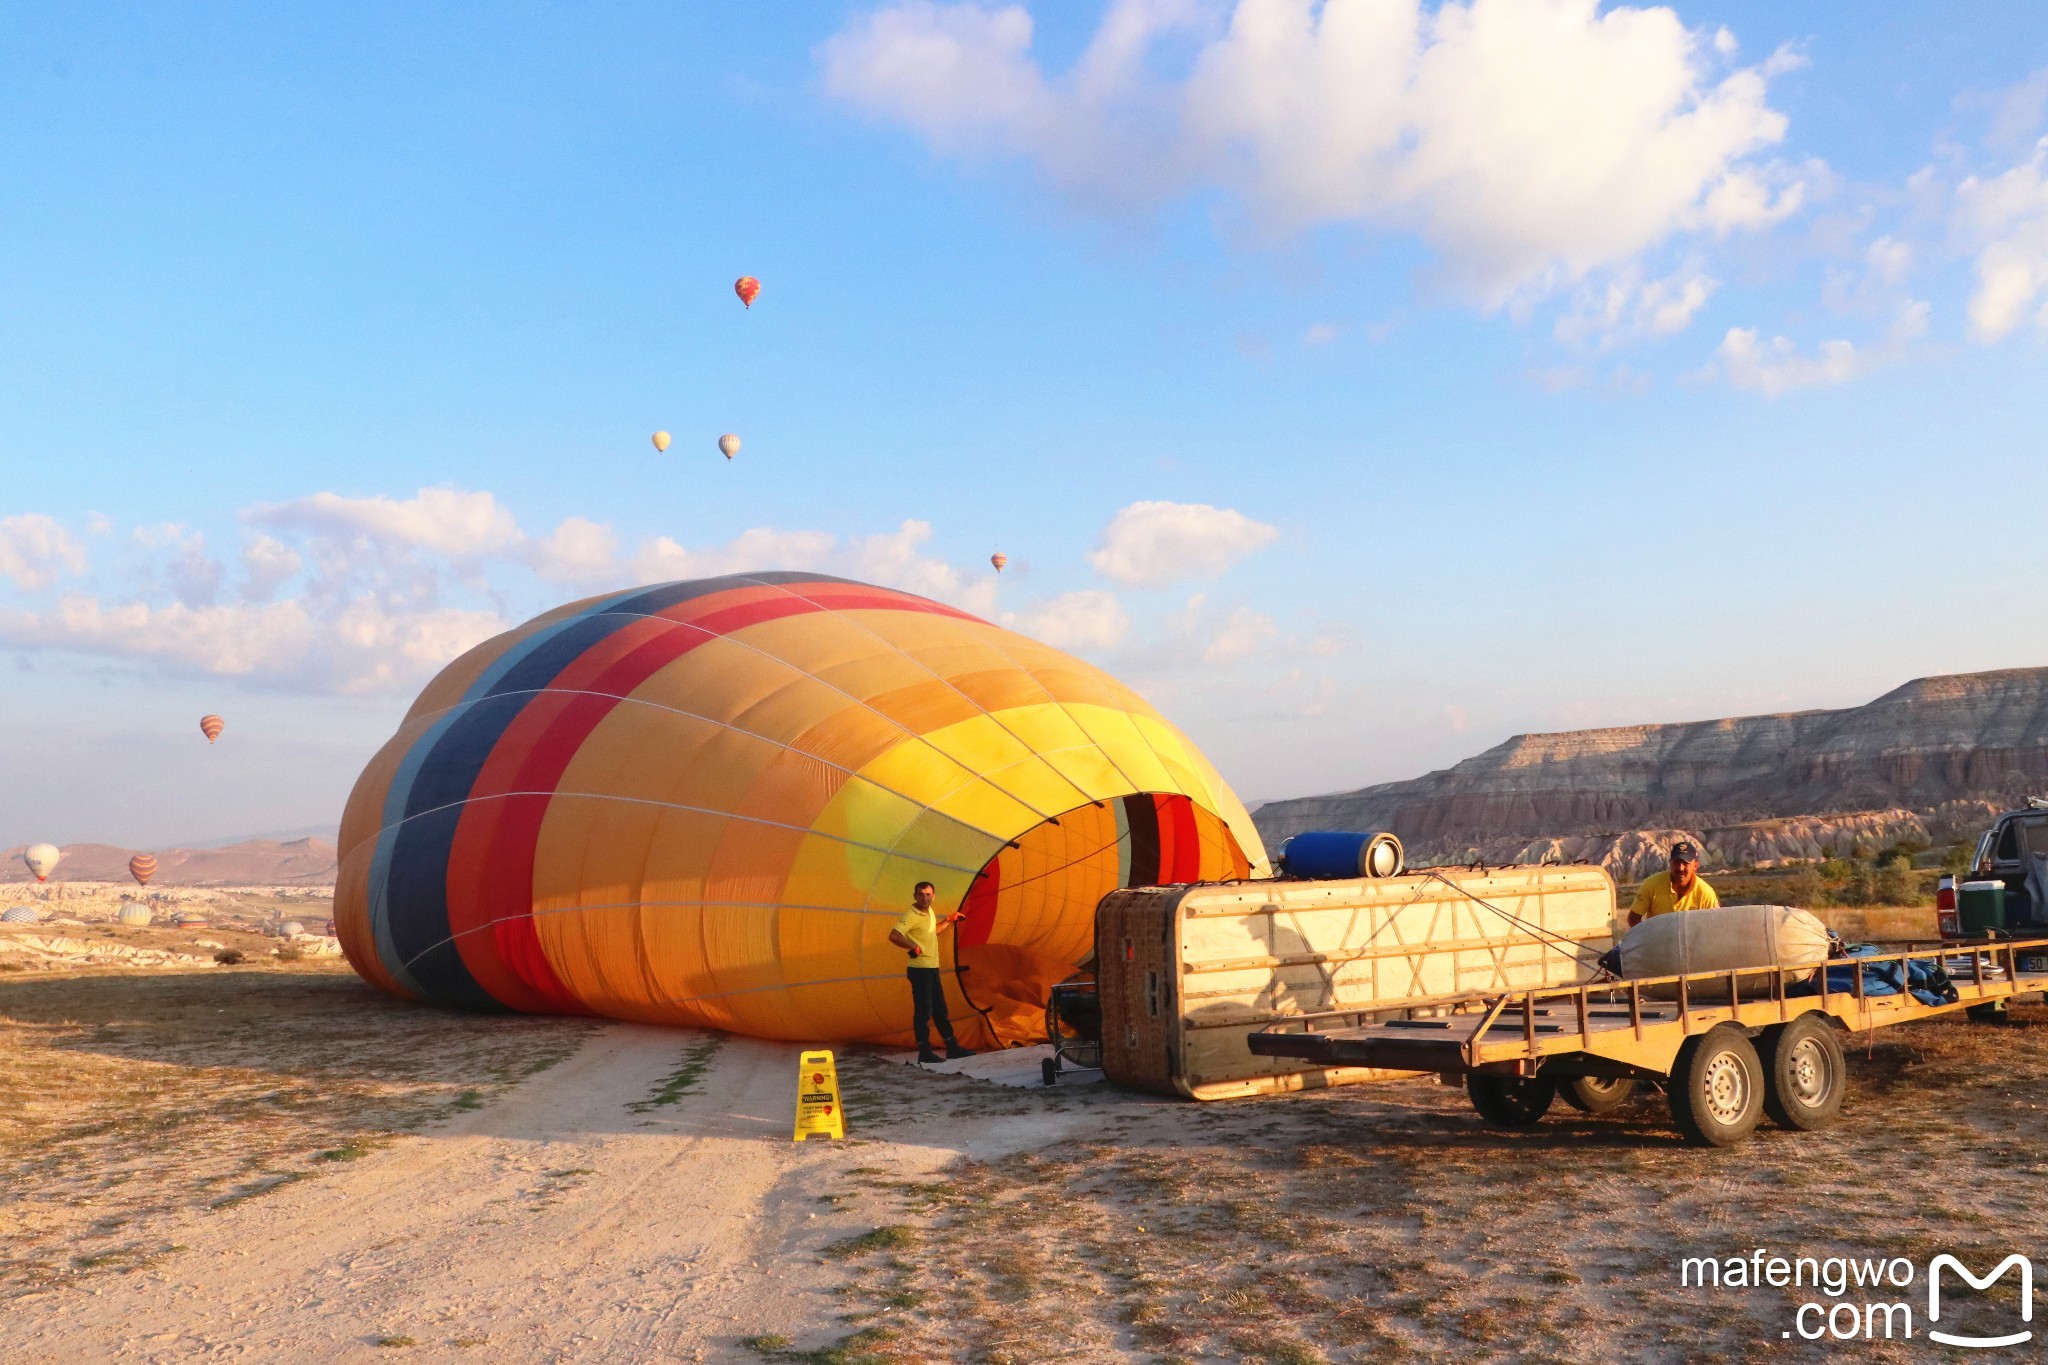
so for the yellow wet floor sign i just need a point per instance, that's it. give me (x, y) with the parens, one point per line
(817, 1098)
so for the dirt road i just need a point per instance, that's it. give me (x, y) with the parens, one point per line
(580, 1217)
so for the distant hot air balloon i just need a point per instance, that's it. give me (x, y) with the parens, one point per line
(142, 867)
(211, 726)
(730, 444)
(999, 559)
(42, 859)
(661, 441)
(746, 286)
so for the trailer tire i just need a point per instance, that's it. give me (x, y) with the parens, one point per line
(1990, 1012)
(1805, 1075)
(1597, 1095)
(1717, 1088)
(1510, 1101)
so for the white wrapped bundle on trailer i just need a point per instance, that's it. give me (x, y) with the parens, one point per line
(1187, 973)
(1730, 938)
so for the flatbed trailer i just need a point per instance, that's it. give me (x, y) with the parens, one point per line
(1726, 1047)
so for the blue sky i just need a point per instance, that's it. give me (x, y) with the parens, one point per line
(1363, 385)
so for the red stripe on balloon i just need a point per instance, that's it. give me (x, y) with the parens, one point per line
(490, 861)
(498, 846)
(980, 905)
(1177, 813)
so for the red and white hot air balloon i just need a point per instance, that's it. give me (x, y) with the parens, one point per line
(746, 286)
(142, 867)
(999, 559)
(211, 726)
(42, 859)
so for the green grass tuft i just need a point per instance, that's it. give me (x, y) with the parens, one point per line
(680, 1082)
(894, 1237)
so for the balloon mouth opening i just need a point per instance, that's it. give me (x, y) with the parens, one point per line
(1030, 911)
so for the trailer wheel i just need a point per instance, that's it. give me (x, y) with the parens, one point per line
(1717, 1088)
(1510, 1101)
(1991, 1012)
(1804, 1074)
(1597, 1095)
(1049, 1070)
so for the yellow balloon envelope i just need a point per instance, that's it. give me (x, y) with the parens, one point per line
(707, 803)
(661, 440)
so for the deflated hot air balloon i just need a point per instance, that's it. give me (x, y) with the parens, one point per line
(746, 286)
(706, 803)
(661, 441)
(999, 559)
(42, 859)
(142, 867)
(729, 444)
(211, 726)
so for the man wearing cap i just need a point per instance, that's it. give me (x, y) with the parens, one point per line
(1678, 889)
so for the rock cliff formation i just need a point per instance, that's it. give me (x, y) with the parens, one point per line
(1925, 761)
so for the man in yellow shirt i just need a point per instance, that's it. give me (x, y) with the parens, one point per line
(917, 932)
(1678, 889)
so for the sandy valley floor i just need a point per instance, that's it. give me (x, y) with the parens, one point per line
(276, 1163)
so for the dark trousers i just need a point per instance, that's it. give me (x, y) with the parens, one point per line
(928, 1004)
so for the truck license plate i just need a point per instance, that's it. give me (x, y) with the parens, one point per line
(2034, 962)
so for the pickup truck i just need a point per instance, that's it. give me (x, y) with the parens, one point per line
(2005, 853)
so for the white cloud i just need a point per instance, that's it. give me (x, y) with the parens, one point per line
(896, 560)
(1624, 307)
(193, 576)
(2018, 112)
(1321, 334)
(580, 551)
(1528, 142)
(1089, 619)
(1243, 633)
(446, 521)
(2005, 219)
(35, 551)
(662, 559)
(398, 587)
(267, 564)
(364, 648)
(1889, 260)
(1150, 544)
(1777, 366)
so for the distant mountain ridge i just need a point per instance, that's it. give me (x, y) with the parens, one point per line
(1959, 737)
(253, 862)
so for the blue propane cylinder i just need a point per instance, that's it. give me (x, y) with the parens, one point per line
(1336, 855)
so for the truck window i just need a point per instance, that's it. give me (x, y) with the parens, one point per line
(2009, 842)
(2035, 836)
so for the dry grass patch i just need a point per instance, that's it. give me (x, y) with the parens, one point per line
(127, 1095)
(1383, 1223)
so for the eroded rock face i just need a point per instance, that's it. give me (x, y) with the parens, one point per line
(1946, 748)
(1634, 854)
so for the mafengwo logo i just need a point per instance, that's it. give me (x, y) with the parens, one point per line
(1881, 1312)
(2012, 1262)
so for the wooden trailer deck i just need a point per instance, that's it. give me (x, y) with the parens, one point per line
(1602, 1034)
